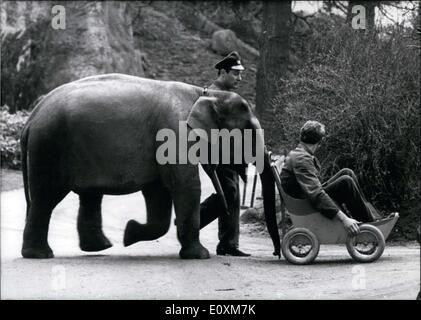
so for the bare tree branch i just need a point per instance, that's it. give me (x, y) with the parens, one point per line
(395, 5)
(383, 11)
(340, 6)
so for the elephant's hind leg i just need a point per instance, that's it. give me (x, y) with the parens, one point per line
(158, 207)
(89, 223)
(35, 235)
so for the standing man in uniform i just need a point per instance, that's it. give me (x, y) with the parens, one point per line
(229, 76)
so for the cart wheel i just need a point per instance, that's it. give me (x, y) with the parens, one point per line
(366, 246)
(300, 246)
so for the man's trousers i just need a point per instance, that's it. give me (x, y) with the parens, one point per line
(212, 207)
(345, 190)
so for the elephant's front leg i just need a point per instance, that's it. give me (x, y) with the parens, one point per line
(186, 195)
(158, 210)
(89, 223)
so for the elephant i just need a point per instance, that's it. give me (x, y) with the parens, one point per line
(97, 136)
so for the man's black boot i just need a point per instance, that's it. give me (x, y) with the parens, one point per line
(221, 251)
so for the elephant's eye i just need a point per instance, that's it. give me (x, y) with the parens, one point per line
(249, 125)
(242, 108)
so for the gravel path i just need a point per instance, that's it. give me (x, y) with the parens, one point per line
(152, 270)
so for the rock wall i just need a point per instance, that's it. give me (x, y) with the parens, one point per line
(225, 41)
(97, 39)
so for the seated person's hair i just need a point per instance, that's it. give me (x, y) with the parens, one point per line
(312, 132)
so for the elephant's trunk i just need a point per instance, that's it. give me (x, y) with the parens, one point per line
(218, 188)
(268, 190)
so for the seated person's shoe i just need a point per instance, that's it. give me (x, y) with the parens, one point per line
(231, 252)
(392, 215)
(388, 216)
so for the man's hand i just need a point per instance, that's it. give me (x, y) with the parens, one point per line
(350, 225)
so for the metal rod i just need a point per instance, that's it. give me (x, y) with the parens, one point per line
(217, 185)
(253, 190)
(245, 190)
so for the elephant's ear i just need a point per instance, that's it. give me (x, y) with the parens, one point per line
(203, 115)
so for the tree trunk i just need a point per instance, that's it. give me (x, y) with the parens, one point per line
(273, 63)
(370, 7)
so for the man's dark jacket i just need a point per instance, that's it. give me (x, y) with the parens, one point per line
(300, 178)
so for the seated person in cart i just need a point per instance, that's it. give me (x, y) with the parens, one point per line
(300, 177)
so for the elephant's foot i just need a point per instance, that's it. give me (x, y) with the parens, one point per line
(196, 251)
(95, 241)
(43, 252)
(135, 231)
(131, 233)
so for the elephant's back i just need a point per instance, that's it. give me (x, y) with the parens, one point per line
(117, 93)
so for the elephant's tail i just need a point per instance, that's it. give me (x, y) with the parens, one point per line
(24, 161)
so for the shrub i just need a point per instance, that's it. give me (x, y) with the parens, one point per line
(10, 129)
(23, 64)
(365, 88)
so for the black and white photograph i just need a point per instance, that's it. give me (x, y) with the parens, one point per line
(223, 152)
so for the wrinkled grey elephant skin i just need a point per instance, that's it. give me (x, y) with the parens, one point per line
(97, 136)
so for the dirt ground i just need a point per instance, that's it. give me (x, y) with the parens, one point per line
(152, 270)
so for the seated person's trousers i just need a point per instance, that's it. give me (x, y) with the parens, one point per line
(345, 190)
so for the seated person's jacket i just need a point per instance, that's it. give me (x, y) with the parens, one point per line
(300, 177)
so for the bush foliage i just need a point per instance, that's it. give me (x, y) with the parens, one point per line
(365, 88)
(11, 126)
(23, 61)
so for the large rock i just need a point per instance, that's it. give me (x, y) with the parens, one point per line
(224, 41)
(195, 20)
(97, 39)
